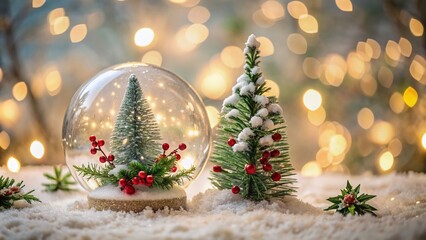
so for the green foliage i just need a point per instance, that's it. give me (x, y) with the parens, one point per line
(136, 133)
(356, 207)
(258, 186)
(9, 193)
(99, 173)
(58, 182)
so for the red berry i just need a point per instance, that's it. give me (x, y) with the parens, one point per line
(177, 157)
(92, 138)
(349, 199)
(235, 189)
(173, 169)
(231, 142)
(275, 153)
(101, 142)
(94, 144)
(135, 181)
(182, 146)
(276, 137)
(217, 168)
(267, 167)
(102, 159)
(142, 174)
(15, 189)
(142, 181)
(266, 154)
(122, 182)
(93, 151)
(148, 184)
(276, 176)
(149, 179)
(263, 160)
(250, 169)
(129, 189)
(111, 158)
(165, 146)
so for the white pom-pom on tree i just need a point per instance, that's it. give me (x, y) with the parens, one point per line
(251, 151)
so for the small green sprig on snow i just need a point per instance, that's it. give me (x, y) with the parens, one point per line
(350, 202)
(11, 192)
(58, 181)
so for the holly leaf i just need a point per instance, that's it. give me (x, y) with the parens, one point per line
(356, 190)
(336, 200)
(352, 209)
(348, 186)
(365, 197)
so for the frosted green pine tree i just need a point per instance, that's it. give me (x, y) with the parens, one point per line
(136, 133)
(251, 151)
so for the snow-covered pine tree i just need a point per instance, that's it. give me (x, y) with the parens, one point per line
(136, 133)
(251, 150)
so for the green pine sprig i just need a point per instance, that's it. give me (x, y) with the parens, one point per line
(11, 192)
(349, 202)
(58, 181)
(99, 173)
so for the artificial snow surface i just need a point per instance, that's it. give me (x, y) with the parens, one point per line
(401, 200)
(142, 193)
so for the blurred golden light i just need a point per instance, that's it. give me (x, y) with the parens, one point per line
(396, 102)
(198, 14)
(335, 68)
(393, 50)
(417, 69)
(53, 82)
(78, 33)
(297, 43)
(60, 25)
(405, 47)
(386, 161)
(365, 51)
(416, 27)
(376, 48)
(196, 33)
(312, 67)
(261, 20)
(232, 56)
(1, 74)
(323, 157)
(308, 23)
(182, 42)
(365, 118)
(144, 37)
(344, 5)
(317, 117)
(187, 162)
(273, 10)
(152, 57)
(13, 165)
(37, 149)
(382, 132)
(297, 9)
(356, 66)
(266, 47)
(395, 147)
(4, 140)
(385, 77)
(410, 97)
(95, 19)
(311, 169)
(312, 99)
(368, 85)
(38, 3)
(186, 3)
(274, 88)
(9, 112)
(213, 86)
(213, 114)
(54, 14)
(337, 145)
(19, 91)
(424, 140)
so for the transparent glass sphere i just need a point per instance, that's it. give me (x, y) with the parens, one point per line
(178, 110)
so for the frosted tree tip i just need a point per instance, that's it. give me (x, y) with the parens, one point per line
(252, 42)
(132, 78)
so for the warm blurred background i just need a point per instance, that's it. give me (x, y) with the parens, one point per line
(349, 74)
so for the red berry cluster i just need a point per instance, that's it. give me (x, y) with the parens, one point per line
(349, 199)
(9, 191)
(166, 147)
(141, 179)
(97, 146)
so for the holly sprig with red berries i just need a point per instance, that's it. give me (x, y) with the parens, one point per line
(11, 192)
(163, 173)
(350, 202)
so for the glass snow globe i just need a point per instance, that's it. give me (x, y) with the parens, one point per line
(177, 109)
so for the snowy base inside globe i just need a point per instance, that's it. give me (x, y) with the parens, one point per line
(112, 198)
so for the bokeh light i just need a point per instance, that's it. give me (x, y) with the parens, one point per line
(152, 57)
(78, 33)
(386, 161)
(308, 23)
(365, 118)
(416, 27)
(297, 9)
(312, 99)
(311, 169)
(37, 149)
(410, 97)
(344, 5)
(20, 91)
(144, 37)
(13, 165)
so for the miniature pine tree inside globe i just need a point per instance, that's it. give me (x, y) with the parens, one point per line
(251, 151)
(140, 167)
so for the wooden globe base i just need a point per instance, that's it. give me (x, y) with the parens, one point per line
(111, 198)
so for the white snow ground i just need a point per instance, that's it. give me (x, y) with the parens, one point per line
(401, 200)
